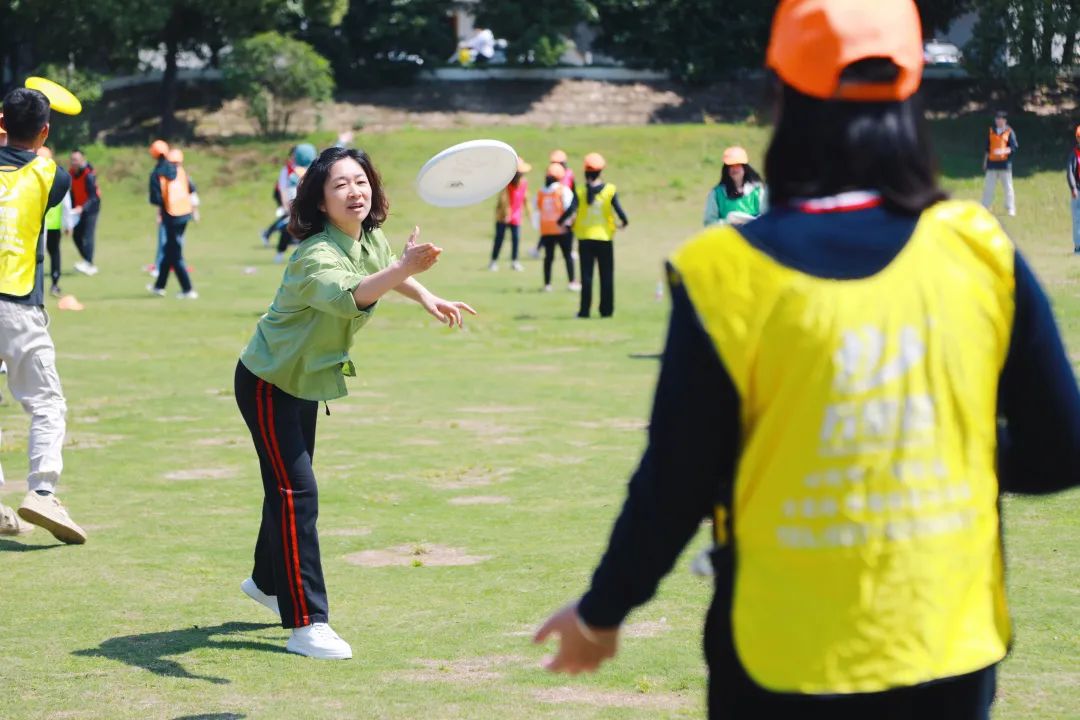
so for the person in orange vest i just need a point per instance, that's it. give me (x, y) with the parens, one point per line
(997, 163)
(173, 192)
(849, 384)
(559, 157)
(551, 202)
(85, 204)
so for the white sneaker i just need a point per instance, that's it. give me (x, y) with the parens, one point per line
(10, 524)
(252, 591)
(547, 288)
(189, 295)
(48, 512)
(155, 290)
(494, 266)
(85, 268)
(318, 640)
(279, 258)
(534, 253)
(574, 287)
(93, 270)
(1012, 213)
(518, 267)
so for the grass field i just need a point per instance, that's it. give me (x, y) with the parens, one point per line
(508, 444)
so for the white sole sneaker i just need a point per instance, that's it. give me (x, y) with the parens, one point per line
(318, 641)
(48, 512)
(268, 601)
(11, 525)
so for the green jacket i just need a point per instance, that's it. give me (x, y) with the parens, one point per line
(301, 345)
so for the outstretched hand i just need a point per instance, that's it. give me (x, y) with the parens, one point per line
(446, 311)
(417, 258)
(581, 648)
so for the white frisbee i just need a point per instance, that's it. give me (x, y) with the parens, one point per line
(467, 173)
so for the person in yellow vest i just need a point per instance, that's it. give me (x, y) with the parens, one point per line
(29, 186)
(997, 163)
(173, 192)
(595, 208)
(552, 201)
(849, 383)
(57, 222)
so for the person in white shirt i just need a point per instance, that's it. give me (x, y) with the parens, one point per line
(552, 202)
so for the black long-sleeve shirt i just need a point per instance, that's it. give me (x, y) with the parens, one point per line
(593, 191)
(695, 427)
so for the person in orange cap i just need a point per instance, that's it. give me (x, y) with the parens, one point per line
(595, 208)
(560, 158)
(174, 195)
(1073, 175)
(512, 203)
(836, 378)
(552, 201)
(740, 194)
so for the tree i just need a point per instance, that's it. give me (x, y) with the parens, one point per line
(273, 74)
(937, 15)
(381, 42)
(697, 41)
(535, 30)
(1023, 43)
(67, 133)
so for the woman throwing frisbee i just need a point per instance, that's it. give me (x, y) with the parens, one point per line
(849, 383)
(299, 356)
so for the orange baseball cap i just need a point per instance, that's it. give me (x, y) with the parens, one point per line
(159, 148)
(556, 170)
(557, 156)
(176, 155)
(814, 41)
(736, 155)
(595, 162)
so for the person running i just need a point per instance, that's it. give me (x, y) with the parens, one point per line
(288, 180)
(594, 210)
(559, 157)
(172, 191)
(1073, 176)
(512, 202)
(299, 357)
(56, 219)
(997, 162)
(281, 214)
(740, 195)
(29, 186)
(832, 390)
(551, 203)
(86, 204)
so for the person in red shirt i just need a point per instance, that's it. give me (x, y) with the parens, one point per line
(85, 204)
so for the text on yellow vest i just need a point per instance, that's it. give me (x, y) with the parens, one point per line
(24, 195)
(864, 511)
(595, 221)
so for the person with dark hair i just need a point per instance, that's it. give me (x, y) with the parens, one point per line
(511, 203)
(174, 195)
(30, 184)
(56, 224)
(740, 194)
(288, 180)
(849, 383)
(299, 357)
(596, 205)
(281, 214)
(1072, 174)
(86, 204)
(997, 162)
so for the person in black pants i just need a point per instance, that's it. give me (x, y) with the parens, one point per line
(174, 194)
(86, 204)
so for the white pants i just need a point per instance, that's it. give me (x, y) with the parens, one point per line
(27, 348)
(993, 177)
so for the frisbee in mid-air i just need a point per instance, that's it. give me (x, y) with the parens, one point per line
(467, 173)
(60, 98)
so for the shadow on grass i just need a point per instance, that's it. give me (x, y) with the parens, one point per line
(150, 651)
(212, 716)
(11, 546)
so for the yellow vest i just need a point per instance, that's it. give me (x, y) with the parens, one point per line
(864, 511)
(24, 195)
(595, 221)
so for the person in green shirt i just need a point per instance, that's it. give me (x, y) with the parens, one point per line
(299, 356)
(740, 195)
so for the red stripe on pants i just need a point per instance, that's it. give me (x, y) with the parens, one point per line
(305, 618)
(277, 476)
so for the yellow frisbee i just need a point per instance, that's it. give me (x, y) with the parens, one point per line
(60, 98)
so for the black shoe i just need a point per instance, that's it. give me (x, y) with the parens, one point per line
(55, 291)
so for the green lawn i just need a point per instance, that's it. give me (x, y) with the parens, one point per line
(510, 442)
